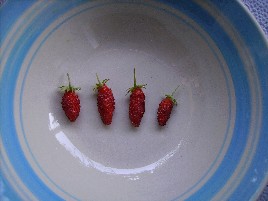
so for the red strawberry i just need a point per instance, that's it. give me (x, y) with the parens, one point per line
(105, 101)
(165, 108)
(136, 103)
(70, 101)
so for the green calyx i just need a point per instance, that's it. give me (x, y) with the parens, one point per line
(171, 96)
(69, 87)
(99, 84)
(135, 84)
(172, 99)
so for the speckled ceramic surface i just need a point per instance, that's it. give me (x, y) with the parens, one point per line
(214, 145)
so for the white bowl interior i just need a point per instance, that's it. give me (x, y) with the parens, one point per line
(119, 162)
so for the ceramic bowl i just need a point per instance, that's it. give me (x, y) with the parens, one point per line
(214, 146)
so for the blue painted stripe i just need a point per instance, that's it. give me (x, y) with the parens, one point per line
(257, 45)
(20, 27)
(11, 192)
(6, 190)
(9, 16)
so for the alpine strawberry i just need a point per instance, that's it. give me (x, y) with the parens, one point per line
(105, 101)
(165, 108)
(136, 103)
(70, 101)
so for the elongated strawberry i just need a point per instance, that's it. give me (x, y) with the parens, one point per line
(70, 101)
(105, 101)
(136, 103)
(165, 108)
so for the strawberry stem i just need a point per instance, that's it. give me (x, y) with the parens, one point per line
(175, 90)
(98, 78)
(135, 84)
(69, 80)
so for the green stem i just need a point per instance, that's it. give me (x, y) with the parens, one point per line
(98, 78)
(135, 78)
(175, 90)
(69, 80)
